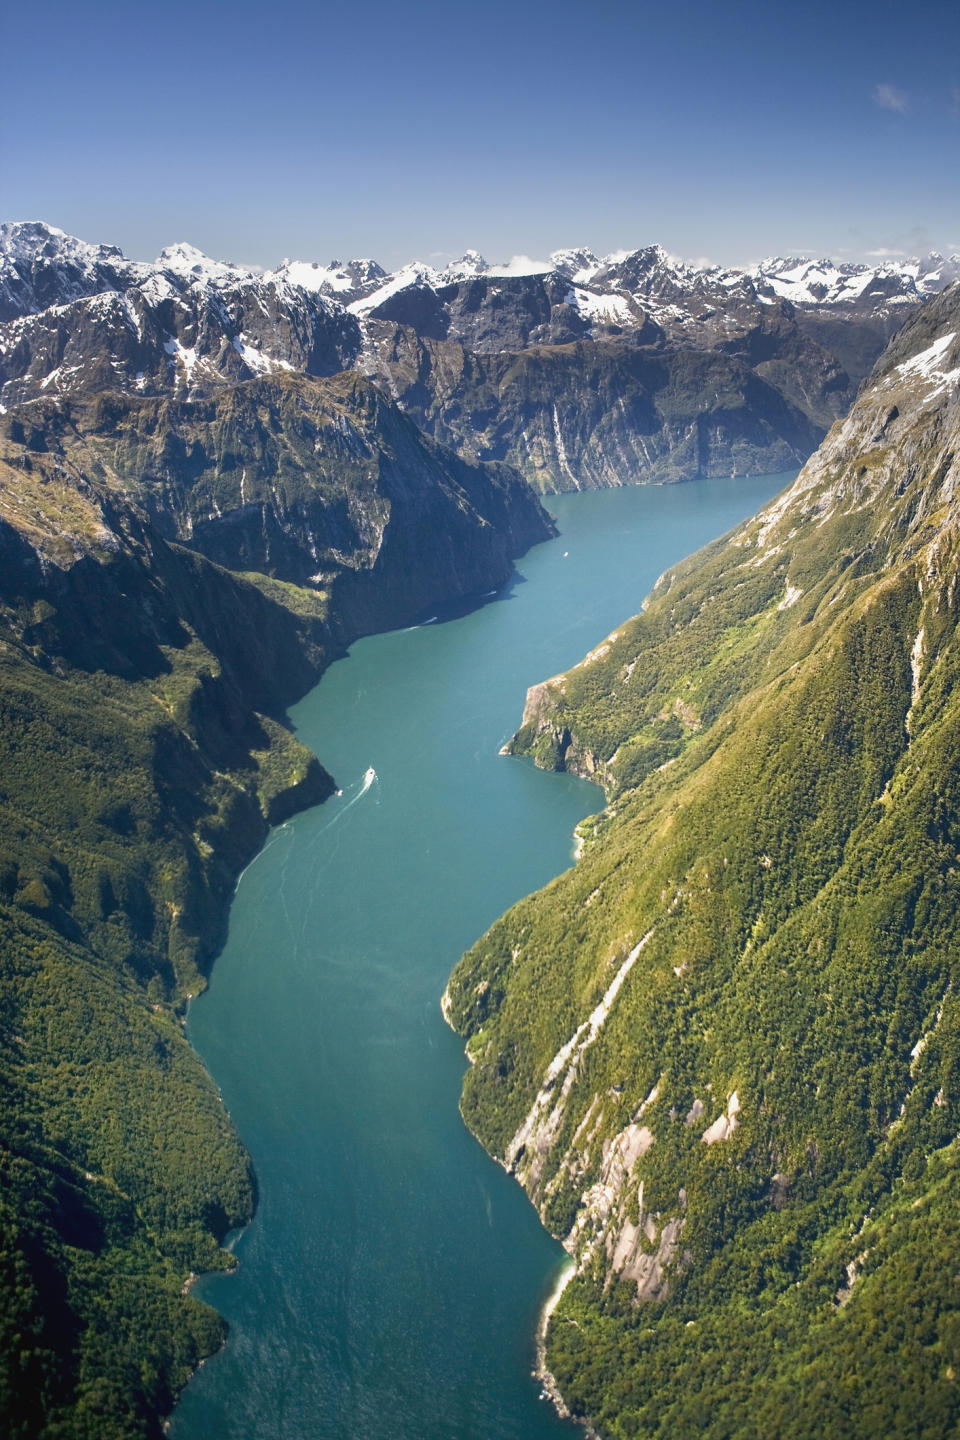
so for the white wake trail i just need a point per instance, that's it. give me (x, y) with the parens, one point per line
(369, 778)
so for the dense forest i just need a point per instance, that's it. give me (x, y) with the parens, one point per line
(723, 1053)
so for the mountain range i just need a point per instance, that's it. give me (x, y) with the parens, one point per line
(579, 372)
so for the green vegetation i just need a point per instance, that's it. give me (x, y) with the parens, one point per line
(778, 734)
(138, 772)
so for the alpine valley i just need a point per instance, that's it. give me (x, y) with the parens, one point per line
(721, 1053)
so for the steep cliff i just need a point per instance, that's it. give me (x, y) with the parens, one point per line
(589, 372)
(592, 413)
(722, 1053)
(140, 765)
(318, 482)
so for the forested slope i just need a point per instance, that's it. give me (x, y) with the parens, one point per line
(723, 1053)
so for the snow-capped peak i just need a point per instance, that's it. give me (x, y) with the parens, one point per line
(194, 265)
(470, 264)
(32, 240)
(340, 279)
(413, 274)
(578, 264)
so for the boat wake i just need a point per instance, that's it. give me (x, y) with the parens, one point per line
(369, 777)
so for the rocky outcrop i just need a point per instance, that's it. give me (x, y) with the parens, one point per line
(589, 414)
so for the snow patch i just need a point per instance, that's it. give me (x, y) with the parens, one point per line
(600, 309)
(255, 359)
(410, 275)
(193, 265)
(926, 363)
(313, 277)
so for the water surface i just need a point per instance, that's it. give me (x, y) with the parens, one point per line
(390, 1283)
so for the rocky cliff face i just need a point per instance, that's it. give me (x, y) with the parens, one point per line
(591, 414)
(320, 483)
(721, 1053)
(603, 373)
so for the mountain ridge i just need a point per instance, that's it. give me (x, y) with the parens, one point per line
(649, 271)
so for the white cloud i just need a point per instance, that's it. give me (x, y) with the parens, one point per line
(891, 97)
(893, 243)
(523, 265)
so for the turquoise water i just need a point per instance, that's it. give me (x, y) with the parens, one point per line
(390, 1284)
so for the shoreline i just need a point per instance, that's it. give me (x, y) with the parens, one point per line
(294, 800)
(550, 1390)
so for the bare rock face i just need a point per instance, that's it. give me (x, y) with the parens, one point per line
(322, 483)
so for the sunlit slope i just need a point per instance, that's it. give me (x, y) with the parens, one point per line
(722, 1053)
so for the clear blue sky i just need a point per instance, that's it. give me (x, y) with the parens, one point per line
(260, 131)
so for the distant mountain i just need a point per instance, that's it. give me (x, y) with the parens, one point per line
(580, 371)
(622, 289)
(722, 1054)
(90, 322)
(822, 283)
(605, 388)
